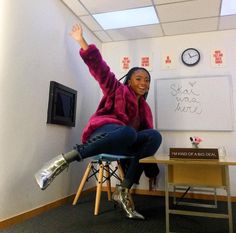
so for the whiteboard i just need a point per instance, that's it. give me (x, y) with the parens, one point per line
(194, 103)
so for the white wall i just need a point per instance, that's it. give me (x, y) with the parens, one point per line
(174, 45)
(35, 49)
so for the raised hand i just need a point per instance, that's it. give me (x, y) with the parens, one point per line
(77, 34)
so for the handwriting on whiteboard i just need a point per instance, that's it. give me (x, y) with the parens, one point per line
(186, 97)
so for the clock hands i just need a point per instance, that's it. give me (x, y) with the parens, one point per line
(192, 55)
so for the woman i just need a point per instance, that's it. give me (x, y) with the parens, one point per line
(122, 124)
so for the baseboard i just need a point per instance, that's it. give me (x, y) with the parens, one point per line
(177, 194)
(32, 213)
(200, 196)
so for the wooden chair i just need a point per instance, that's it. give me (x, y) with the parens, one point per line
(100, 168)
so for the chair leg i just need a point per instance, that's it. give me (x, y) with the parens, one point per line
(108, 178)
(99, 189)
(82, 183)
(120, 170)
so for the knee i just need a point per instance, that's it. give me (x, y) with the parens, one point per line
(156, 138)
(129, 135)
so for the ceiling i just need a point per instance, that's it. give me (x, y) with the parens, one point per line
(176, 17)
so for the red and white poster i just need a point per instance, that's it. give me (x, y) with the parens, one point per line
(168, 61)
(146, 62)
(218, 58)
(125, 63)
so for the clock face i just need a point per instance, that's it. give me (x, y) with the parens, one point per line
(190, 57)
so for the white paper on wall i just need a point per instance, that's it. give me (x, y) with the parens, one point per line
(168, 61)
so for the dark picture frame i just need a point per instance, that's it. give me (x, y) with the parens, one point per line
(61, 105)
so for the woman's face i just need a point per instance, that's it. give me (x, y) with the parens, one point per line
(139, 82)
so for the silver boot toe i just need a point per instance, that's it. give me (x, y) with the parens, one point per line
(136, 215)
(50, 170)
(123, 198)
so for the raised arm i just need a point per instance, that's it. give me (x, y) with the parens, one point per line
(77, 35)
(97, 66)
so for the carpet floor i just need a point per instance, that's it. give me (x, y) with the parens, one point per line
(80, 219)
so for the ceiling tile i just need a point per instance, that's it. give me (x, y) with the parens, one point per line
(159, 2)
(190, 26)
(188, 10)
(227, 22)
(91, 23)
(108, 5)
(148, 31)
(102, 36)
(76, 7)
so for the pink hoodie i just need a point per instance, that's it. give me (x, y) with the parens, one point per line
(119, 103)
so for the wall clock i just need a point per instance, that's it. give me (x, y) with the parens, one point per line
(190, 56)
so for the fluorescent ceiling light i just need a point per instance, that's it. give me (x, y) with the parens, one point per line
(228, 7)
(127, 18)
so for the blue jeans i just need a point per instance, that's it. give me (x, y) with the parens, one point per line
(122, 140)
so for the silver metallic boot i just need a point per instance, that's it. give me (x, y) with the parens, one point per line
(123, 198)
(54, 167)
(50, 170)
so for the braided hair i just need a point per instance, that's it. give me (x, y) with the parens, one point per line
(127, 77)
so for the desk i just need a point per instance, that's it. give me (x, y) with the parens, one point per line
(186, 172)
